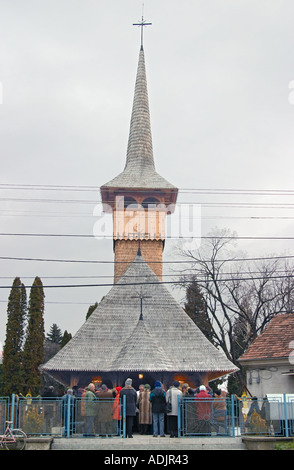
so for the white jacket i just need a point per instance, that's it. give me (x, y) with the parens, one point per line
(172, 395)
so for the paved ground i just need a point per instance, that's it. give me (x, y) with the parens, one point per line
(149, 443)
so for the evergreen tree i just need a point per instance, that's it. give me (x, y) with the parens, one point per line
(34, 344)
(12, 378)
(195, 307)
(91, 310)
(50, 349)
(65, 339)
(55, 334)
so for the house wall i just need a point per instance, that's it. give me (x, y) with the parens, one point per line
(262, 379)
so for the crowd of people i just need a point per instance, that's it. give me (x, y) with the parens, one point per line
(149, 410)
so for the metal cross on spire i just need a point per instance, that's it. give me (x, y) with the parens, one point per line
(141, 297)
(142, 24)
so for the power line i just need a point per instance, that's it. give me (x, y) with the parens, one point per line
(138, 276)
(50, 187)
(260, 205)
(19, 213)
(84, 235)
(59, 260)
(65, 286)
(58, 303)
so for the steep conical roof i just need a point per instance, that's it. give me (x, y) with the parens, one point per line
(115, 339)
(141, 351)
(140, 151)
(139, 171)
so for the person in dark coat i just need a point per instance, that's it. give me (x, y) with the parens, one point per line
(158, 401)
(254, 407)
(131, 400)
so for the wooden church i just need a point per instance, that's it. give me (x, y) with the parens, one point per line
(139, 330)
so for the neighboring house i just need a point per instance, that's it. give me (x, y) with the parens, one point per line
(269, 360)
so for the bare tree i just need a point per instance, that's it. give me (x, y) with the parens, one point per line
(241, 297)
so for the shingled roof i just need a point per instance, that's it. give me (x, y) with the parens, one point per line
(274, 342)
(139, 171)
(117, 338)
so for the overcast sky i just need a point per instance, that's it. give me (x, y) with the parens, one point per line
(219, 76)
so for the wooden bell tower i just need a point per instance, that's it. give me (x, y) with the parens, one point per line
(139, 198)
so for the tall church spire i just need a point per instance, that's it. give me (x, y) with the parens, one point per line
(139, 171)
(140, 151)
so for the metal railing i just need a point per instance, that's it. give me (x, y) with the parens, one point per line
(64, 417)
(206, 417)
(272, 415)
(231, 416)
(269, 416)
(4, 413)
(106, 418)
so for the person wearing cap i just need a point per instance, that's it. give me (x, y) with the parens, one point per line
(131, 400)
(158, 400)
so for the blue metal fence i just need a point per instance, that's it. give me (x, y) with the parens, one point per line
(269, 416)
(64, 417)
(232, 416)
(207, 417)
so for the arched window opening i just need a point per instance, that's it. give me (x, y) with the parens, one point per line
(150, 203)
(130, 202)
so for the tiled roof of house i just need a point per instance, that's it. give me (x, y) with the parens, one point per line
(274, 342)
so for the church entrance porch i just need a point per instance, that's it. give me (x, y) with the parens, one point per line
(115, 379)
